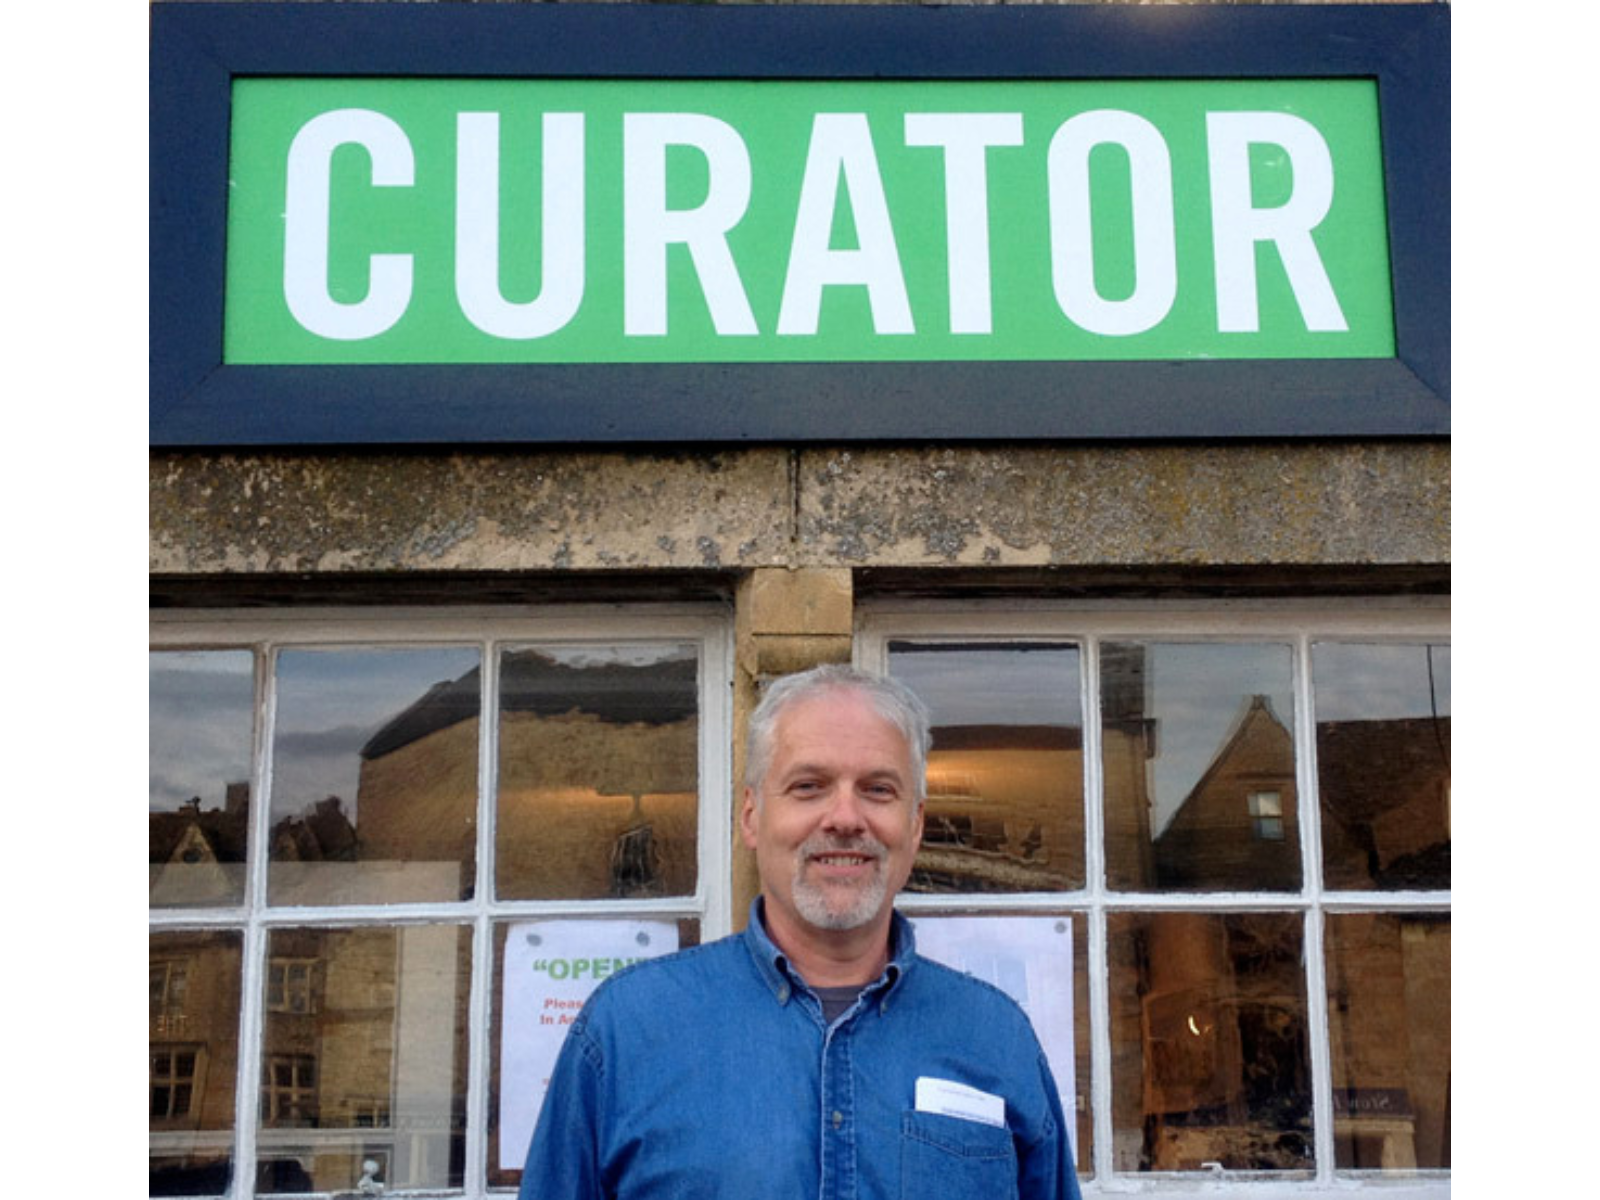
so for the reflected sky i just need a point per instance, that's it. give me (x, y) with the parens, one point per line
(201, 704)
(331, 701)
(992, 685)
(1197, 693)
(644, 655)
(1380, 683)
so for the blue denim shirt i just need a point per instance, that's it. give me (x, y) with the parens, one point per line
(710, 1073)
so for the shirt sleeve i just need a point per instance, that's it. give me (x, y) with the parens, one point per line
(1048, 1169)
(564, 1156)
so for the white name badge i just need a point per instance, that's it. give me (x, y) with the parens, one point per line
(952, 1099)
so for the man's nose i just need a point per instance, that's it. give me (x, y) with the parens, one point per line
(845, 813)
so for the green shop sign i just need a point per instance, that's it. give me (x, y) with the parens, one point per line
(611, 221)
(392, 224)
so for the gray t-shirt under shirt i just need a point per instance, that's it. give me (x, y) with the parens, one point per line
(835, 1000)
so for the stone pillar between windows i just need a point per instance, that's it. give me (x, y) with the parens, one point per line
(785, 620)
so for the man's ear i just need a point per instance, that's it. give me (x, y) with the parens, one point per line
(747, 819)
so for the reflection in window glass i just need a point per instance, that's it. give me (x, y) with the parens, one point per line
(374, 776)
(599, 772)
(1383, 764)
(202, 705)
(369, 1065)
(1209, 1042)
(194, 1060)
(1199, 767)
(1389, 1026)
(1005, 773)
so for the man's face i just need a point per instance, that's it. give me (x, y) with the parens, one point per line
(838, 819)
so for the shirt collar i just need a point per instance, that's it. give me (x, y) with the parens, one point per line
(781, 979)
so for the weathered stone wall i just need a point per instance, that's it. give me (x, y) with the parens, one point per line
(1007, 506)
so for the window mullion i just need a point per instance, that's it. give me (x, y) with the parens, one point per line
(1098, 967)
(1321, 1048)
(479, 1068)
(1310, 805)
(252, 967)
(247, 1098)
(480, 1000)
(260, 851)
(716, 783)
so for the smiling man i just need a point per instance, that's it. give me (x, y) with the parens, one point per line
(815, 1054)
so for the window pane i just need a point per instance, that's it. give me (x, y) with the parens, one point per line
(1383, 764)
(1209, 1042)
(1199, 767)
(1389, 1025)
(531, 1015)
(194, 1060)
(202, 706)
(1005, 774)
(373, 1067)
(374, 776)
(599, 772)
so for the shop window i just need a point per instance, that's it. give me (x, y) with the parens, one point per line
(1005, 796)
(598, 748)
(1383, 763)
(375, 802)
(1246, 808)
(1214, 1008)
(1188, 728)
(374, 785)
(195, 981)
(202, 707)
(1389, 1025)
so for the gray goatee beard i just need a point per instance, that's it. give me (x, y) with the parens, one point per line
(840, 907)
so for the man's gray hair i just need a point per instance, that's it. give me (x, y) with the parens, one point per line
(893, 700)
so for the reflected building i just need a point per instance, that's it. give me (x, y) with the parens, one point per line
(1385, 788)
(1004, 810)
(599, 778)
(363, 1067)
(1211, 1011)
(1238, 828)
(596, 790)
(1220, 999)
(365, 1041)
(197, 855)
(194, 1066)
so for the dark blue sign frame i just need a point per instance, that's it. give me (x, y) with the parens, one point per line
(197, 400)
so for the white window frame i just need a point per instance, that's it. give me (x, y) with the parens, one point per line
(1298, 623)
(489, 630)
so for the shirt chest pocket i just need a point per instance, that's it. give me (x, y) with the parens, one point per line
(946, 1158)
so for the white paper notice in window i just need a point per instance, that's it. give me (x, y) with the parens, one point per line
(1028, 958)
(551, 968)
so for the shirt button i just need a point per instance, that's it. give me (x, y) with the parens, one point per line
(783, 994)
(838, 1118)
